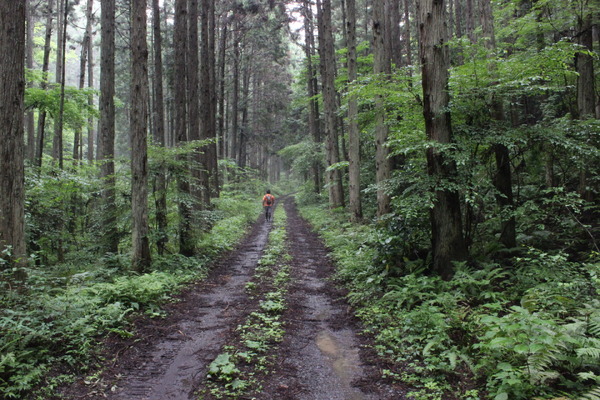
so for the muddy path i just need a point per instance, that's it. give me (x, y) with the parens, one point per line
(322, 355)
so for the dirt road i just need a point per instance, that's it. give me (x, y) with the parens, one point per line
(322, 356)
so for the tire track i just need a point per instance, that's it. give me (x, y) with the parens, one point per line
(170, 368)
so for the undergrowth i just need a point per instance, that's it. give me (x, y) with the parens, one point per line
(529, 328)
(236, 371)
(60, 314)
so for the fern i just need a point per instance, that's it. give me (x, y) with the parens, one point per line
(593, 394)
(591, 352)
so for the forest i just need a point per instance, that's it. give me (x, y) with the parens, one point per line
(446, 152)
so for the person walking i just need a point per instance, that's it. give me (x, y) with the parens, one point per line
(268, 202)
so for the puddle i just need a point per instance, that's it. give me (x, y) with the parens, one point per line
(345, 361)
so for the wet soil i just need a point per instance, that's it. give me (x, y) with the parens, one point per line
(322, 357)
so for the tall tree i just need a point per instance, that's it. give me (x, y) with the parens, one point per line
(446, 223)
(186, 242)
(221, 133)
(381, 66)
(106, 137)
(328, 71)
(353, 132)
(235, 90)
(196, 116)
(312, 89)
(213, 165)
(503, 176)
(83, 60)
(586, 95)
(205, 105)
(61, 44)
(139, 147)
(158, 113)
(29, 116)
(90, 53)
(12, 166)
(39, 147)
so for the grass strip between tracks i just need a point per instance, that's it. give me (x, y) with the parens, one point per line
(237, 370)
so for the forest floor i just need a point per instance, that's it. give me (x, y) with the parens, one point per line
(323, 355)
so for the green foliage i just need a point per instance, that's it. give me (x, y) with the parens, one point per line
(63, 309)
(527, 330)
(76, 106)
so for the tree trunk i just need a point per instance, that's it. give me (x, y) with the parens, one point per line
(395, 44)
(85, 49)
(470, 21)
(106, 137)
(326, 50)
(139, 127)
(446, 224)
(313, 110)
(203, 157)
(233, 147)
(353, 132)
(91, 134)
(187, 246)
(212, 87)
(39, 147)
(196, 113)
(586, 99)
(458, 12)
(160, 183)
(381, 66)
(12, 136)
(29, 116)
(221, 136)
(586, 95)
(407, 33)
(503, 177)
(57, 143)
(242, 150)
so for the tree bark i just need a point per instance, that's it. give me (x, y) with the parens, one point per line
(203, 157)
(311, 84)
(83, 60)
(187, 246)
(221, 136)
(353, 132)
(91, 134)
(61, 44)
(29, 116)
(235, 93)
(395, 44)
(160, 183)
(141, 258)
(106, 137)
(196, 111)
(407, 33)
(586, 99)
(326, 50)
(446, 224)
(381, 66)
(212, 87)
(12, 136)
(503, 176)
(39, 148)
(586, 95)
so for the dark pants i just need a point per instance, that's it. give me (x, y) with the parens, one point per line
(268, 212)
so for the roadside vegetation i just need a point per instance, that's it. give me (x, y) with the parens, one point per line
(52, 323)
(523, 327)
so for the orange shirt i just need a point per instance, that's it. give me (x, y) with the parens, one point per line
(267, 196)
